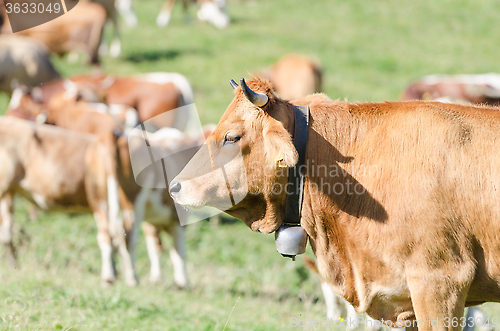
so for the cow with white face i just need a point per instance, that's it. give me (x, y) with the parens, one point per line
(399, 198)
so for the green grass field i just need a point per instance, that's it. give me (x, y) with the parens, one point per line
(369, 52)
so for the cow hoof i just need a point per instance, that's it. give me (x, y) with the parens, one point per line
(155, 279)
(131, 20)
(163, 19)
(105, 283)
(115, 49)
(184, 285)
(132, 282)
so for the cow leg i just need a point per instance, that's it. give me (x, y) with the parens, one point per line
(108, 271)
(439, 298)
(334, 304)
(166, 11)
(476, 318)
(178, 254)
(6, 218)
(115, 48)
(118, 231)
(155, 249)
(130, 222)
(124, 7)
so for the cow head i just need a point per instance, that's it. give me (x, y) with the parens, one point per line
(258, 124)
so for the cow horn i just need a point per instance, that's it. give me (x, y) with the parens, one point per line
(233, 84)
(258, 99)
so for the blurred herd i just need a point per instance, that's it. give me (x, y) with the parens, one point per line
(67, 142)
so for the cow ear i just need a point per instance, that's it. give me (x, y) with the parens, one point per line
(278, 146)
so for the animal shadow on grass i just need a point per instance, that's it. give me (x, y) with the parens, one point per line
(152, 55)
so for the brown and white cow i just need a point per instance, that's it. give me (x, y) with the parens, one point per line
(400, 198)
(151, 201)
(211, 11)
(478, 89)
(51, 167)
(78, 30)
(24, 61)
(294, 77)
(151, 94)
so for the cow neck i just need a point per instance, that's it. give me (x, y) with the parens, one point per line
(293, 204)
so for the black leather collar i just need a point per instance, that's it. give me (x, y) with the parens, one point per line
(295, 187)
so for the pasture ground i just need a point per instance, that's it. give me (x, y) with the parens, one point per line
(369, 51)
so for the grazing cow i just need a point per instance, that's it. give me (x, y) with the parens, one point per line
(294, 77)
(211, 11)
(151, 94)
(47, 165)
(24, 61)
(399, 199)
(478, 89)
(78, 30)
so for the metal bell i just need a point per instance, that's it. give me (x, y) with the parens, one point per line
(291, 240)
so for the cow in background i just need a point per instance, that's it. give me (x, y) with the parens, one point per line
(415, 241)
(24, 61)
(477, 89)
(47, 165)
(151, 94)
(152, 203)
(294, 76)
(78, 30)
(211, 11)
(115, 47)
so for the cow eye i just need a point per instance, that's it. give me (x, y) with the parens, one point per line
(231, 139)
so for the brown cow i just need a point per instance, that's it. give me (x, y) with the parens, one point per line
(151, 94)
(47, 165)
(400, 198)
(478, 89)
(78, 30)
(294, 77)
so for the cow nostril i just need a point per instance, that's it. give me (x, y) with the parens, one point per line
(175, 187)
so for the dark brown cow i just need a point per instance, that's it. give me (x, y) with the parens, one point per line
(478, 89)
(400, 198)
